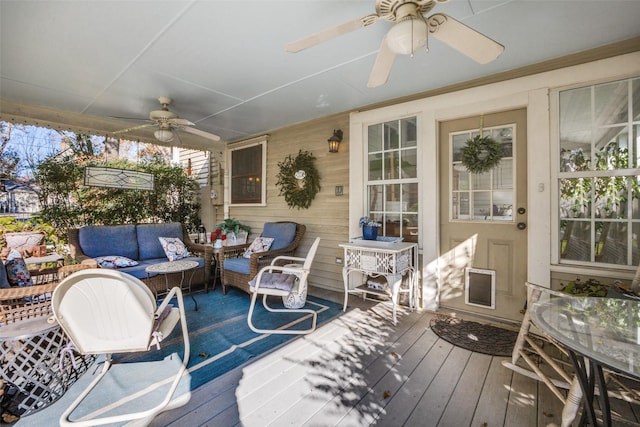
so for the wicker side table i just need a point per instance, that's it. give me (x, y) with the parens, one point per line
(35, 365)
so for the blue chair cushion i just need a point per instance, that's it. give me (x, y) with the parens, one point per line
(239, 265)
(105, 240)
(139, 272)
(283, 234)
(148, 242)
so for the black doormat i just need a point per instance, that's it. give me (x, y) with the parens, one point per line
(474, 336)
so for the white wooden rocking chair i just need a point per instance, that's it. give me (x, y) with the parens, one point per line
(106, 311)
(532, 345)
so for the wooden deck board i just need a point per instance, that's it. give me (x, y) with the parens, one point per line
(468, 390)
(339, 375)
(491, 408)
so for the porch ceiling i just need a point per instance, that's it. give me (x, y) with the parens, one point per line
(224, 62)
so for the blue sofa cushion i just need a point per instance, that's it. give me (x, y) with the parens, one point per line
(283, 234)
(148, 242)
(239, 265)
(139, 272)
(104, 240)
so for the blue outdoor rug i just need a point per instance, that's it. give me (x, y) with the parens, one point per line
(220, 341)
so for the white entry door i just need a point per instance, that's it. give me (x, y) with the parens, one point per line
(483, 218)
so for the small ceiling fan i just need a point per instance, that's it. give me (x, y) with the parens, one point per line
(409, 33)
(168, 124)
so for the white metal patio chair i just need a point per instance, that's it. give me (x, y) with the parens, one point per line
(278, 280)
(105, 312)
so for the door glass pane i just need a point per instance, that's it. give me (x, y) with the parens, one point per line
(482, 181)
(503, 205)
(460, 178)
(503, 175)
(482, 205)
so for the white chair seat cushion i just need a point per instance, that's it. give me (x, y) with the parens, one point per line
(279, 281)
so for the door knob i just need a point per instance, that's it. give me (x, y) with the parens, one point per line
(522, 211)
(521, 226)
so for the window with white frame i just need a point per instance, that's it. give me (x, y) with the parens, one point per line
(247, 173)
(598, 180)
(392, 177)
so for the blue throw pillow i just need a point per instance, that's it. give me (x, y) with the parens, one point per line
(115, 261)
(4, 281)
(17, 271)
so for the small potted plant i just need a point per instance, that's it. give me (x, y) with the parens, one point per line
(369, 228)
(234, 231)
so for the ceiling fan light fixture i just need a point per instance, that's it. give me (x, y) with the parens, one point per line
(163, 135)
(407, 36)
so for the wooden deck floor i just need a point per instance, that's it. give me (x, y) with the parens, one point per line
(360, 370)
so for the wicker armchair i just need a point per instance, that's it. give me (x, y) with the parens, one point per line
(258, 260)
(32, 301)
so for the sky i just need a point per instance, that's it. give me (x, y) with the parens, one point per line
(40, 143)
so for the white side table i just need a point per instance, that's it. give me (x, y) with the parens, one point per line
(376, 258)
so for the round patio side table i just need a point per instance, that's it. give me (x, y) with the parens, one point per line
(179, 266)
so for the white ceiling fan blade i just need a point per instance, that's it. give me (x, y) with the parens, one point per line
(464, 39)
(200, 133)
(134, 128)
(331, 33)
(382, 67)
(180, 122)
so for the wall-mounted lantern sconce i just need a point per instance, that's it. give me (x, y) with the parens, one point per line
(334, 141)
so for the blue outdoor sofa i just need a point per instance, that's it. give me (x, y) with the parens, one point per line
(139, 242)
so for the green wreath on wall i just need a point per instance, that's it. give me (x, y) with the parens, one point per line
(298, 179)
(481, 154)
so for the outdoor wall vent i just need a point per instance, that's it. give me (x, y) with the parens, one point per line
(480, 287)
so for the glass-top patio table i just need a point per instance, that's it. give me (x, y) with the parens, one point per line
(179, 266)
(597, 333)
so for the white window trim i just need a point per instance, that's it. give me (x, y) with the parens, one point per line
(574, 267)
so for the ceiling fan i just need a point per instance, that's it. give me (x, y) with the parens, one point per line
(168, 124)
(409, 33)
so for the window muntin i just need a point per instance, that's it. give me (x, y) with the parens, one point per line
(599, 175)
(392, 177)
(487, 196)
(247, 174)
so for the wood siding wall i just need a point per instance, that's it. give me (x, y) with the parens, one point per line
(327, 217)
